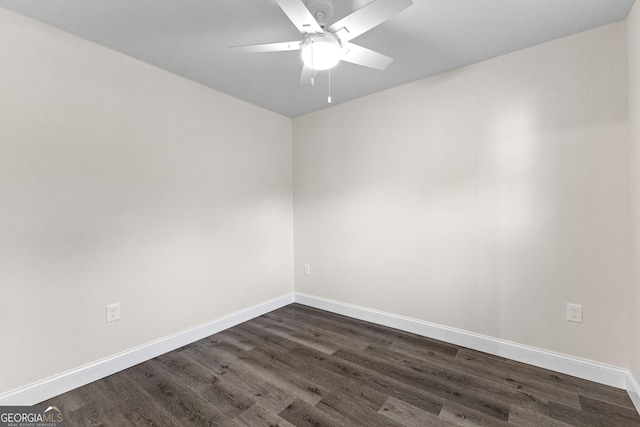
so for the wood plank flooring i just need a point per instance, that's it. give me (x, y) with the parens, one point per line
(299, 366)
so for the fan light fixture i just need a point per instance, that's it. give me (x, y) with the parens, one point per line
(324, 46)
(320, 52)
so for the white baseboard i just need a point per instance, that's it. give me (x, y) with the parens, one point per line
(633, 389)
(569, 365)
(58, 384)
(581, 368)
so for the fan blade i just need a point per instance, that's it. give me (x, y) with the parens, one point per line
(269, 47)
(362, 56)
(367, 17)
(300, 16)
(308, 76)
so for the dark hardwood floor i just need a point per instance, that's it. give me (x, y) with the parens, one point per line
(299, 366)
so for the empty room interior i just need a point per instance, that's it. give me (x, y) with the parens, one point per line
(488, 208)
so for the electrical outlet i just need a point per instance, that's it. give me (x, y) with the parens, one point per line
(113, 312)
(307, 269)
(574, 313)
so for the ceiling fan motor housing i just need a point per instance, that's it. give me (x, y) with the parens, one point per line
(322, 10)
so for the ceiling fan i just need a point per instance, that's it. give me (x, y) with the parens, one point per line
(323, 47)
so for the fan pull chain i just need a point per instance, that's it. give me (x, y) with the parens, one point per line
(329, 98)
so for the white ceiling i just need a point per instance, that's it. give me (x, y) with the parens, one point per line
(191, 38)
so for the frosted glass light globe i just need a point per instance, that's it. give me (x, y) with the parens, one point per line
(320, 52)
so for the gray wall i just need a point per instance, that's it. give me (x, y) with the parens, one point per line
(633, 37)
(122, 183)
(483, 199)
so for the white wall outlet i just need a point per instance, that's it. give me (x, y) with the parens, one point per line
(113, 312)
(307, 269)
(574, 313)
